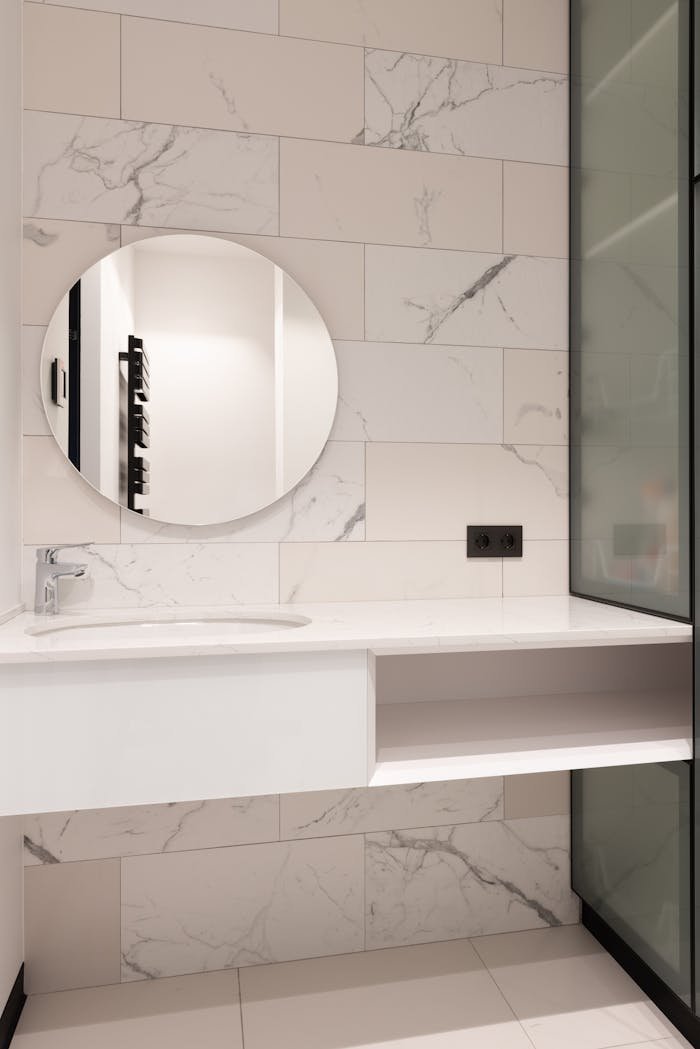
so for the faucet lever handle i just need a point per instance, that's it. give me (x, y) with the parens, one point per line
(48, 554)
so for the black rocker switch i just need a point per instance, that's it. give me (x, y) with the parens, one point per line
(494, 540)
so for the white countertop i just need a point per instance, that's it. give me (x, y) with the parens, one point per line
(384, 627)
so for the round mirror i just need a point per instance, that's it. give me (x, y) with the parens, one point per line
(189, 379)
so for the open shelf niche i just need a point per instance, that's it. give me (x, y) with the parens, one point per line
(471, 714)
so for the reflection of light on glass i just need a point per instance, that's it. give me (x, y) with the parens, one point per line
(633, 226)
(279, 382)
(668, 17)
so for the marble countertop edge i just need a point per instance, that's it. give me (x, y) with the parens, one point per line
(382, 627)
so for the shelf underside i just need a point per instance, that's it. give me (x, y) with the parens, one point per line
(467, 739)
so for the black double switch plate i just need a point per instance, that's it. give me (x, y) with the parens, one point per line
(494, 540)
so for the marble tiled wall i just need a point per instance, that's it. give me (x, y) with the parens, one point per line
(405, 160)
(140, 893)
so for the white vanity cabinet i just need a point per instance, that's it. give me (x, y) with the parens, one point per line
(364, 695)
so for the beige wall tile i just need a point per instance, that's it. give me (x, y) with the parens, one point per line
(254, 15)
(59, 506)
(71, 60)
(178, 1013)
(538, 794)
(55, 254)
(432, 491)
(450, 28)
(331, 273)
(383, 572)
(203, 77)
(542, 571)
(535, 397)
(71, 925)
(536, 34)
(389, 196)
(536, 210)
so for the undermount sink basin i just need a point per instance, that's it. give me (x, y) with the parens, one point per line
(163, 627)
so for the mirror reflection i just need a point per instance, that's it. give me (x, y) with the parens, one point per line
(189, 379)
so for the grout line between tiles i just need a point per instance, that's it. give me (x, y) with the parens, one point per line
(305, 39)
(500, 992)
(303, 138)
(233, 234)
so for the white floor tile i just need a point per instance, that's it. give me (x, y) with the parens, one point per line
(200, 1011)
(436, 996)
(567, 991)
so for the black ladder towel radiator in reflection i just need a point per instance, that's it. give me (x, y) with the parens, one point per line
(138, 422)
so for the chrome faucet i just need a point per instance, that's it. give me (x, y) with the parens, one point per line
(48, 572)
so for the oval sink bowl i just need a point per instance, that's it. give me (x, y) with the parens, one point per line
(164, 627)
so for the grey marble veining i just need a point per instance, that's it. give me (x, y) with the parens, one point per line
(119, 171)
(316, 814)
(90, 834)
(450, 882)
(222, 908)
(447, 106)
(168, 575)
(465, 298)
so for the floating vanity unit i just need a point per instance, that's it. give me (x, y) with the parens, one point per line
(120, 710)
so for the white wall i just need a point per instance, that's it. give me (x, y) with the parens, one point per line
(207, 327)
(11, 945)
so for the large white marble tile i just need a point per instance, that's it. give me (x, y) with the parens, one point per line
(203, 77)
(445, 106)
(536, 34)
(144, 575)
(343, 191)
(456, 28)
(34, 421)
(328, 505)
(61, 837)
(385, 571)
(71, 926)
(433, 997)
(433, 491)
(448, 882)
(542, 571)
(536, 210)
(220, 908)
(319, 813)
(253, 15)
(179, 1013)
(330, 272)
(464, 298)
(397, 392)
(566, 990)
(535, 397)
(149, 174)
(54, 254)
(59, 506)
(71, 60)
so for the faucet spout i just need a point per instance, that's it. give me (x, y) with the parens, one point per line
(48, 572)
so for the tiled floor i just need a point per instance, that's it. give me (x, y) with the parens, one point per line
(547, 989)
